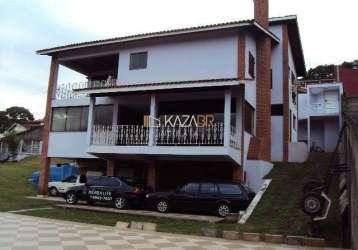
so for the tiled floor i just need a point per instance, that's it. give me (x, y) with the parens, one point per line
(19, 232)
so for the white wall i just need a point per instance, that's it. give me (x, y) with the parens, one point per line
(208, 58)
(68, 145)
(276, 65)
(331, 133)
(255, 173)
(276, 138)
(303, 108)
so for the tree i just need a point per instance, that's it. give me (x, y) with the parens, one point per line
(14, 115)
(321, 72)
(12, 142)
(19, 114)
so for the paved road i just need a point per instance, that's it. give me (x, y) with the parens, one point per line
(19, 232)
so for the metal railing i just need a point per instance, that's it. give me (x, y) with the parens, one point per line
(169, 136)
(68, 90)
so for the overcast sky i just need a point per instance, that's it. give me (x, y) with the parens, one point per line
(328, 31)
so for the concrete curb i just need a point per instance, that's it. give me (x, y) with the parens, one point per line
(269, 238)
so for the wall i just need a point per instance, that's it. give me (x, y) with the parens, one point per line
(276, 65)
(331, 133)
(255, 172)
(68, 145)
(293, 106)
(208, 58)
(277, 138)
(303, 108)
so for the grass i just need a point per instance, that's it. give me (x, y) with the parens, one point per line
(278, 212)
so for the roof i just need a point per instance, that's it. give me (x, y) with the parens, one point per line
(294, 36)
(210, 27)
(140, 87)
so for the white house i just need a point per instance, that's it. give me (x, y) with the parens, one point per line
(320, 116)
(211, 87)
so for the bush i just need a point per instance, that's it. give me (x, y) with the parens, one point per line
(12, 142)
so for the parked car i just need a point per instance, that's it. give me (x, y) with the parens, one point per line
(112, 190)
(58, 172)
(209, 196)
(60, 187)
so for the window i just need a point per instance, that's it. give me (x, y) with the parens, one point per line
(230, 189)
(277, 110)
(249, 117)
(138, 60)
(69, 119)
(251, 65)
(103, 115)
(190, 188)
(110, 182)
(208, 188)
(71, 179)
(294, 122)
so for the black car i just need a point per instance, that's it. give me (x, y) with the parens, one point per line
(205, 196)
(113, 190)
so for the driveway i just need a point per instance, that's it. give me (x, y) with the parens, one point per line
(20, 232)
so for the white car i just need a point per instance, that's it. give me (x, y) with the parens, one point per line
(60, 187)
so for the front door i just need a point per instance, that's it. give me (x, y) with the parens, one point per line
(331, 102)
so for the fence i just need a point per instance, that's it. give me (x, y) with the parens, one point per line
(31, 147)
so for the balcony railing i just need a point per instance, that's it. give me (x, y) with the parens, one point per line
(66, 91)
(164, 136)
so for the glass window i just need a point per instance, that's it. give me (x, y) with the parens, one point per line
(58, 119)
(71, 179)
(73, 119)
(230, 188)
(103, 115)
(138, 60)
(249, 118)
(190, 188)
(110, 181)
(95, 181)
(208, 188)
(251, 65)
(69, 119)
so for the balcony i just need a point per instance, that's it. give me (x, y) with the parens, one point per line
(131, 135)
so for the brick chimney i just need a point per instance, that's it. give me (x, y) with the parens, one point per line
(263, 83)
(261, 9)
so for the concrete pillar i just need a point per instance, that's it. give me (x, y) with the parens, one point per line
(153, 114)
(110, 167)
(152, 176)
(227, 118)
(90, 120)
(45, 160)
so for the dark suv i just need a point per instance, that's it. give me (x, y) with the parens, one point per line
(113, 190)
(209, 196)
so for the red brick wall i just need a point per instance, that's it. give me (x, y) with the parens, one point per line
(349, 78)
(285, 92)
(241, 56)
(261, 9)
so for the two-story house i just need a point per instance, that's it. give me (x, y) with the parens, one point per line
(320, 115)
(214, 101)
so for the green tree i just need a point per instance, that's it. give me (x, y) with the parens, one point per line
(4, 121)
(19, 114)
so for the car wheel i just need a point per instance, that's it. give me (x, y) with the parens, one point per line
(162, 206)
(312, 204)
(53, 191)
(223, 210)
(120, 202)
(71, 198)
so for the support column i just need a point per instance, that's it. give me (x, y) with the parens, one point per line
(153, 114)
(45, 160)
(227, 117)
(152, 176)
(110, 167)
(90, 120)
(115, 113)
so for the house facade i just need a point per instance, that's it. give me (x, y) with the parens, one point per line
(320, 115)
(214, 101)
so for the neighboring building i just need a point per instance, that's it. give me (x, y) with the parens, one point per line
(224, 75)
(29, 136)
(349, 78)
(320, 115)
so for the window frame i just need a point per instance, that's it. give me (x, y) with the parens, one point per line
(135, 63)
(252, 64)
(83, 127)
(252, 109)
